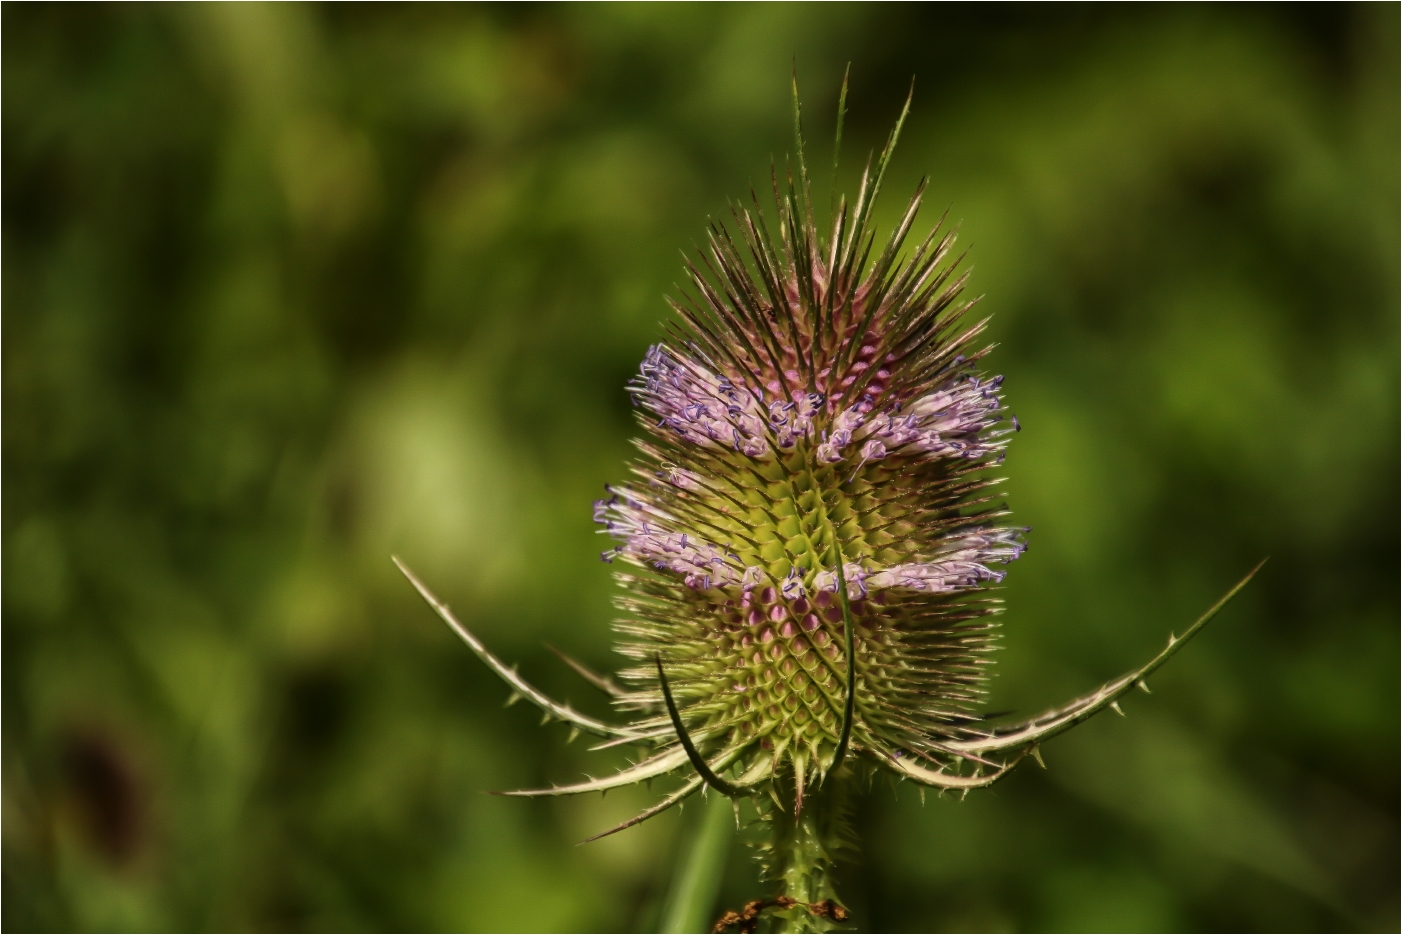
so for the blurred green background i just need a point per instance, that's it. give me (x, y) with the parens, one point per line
(289, 288)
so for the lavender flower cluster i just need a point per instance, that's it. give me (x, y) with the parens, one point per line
(709, 410)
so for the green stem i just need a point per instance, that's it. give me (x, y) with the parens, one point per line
(800, 855)
(692, 900)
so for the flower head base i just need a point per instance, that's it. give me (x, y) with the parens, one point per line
(807, 547)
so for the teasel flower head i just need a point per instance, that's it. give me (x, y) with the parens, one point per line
(810, 541)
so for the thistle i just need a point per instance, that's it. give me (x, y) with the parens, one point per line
(809, 549)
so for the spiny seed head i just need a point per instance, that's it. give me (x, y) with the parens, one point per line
(815, 408)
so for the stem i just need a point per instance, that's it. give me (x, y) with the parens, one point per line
(801, 855)
(691, 902)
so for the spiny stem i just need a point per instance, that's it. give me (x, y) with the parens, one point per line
(800, 856)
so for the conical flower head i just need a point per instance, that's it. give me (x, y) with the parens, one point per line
(818, 420)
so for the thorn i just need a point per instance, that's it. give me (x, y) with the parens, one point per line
(601, 682)
(1037, 755)
(512, 698)
(544, 718)
(1143, 685)
(574, 732)
(1118, 710)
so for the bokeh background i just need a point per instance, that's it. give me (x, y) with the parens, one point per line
(290, 288)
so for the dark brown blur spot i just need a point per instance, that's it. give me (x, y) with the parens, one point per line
(107, 795)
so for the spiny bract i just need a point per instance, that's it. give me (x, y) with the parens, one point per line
(806, 550)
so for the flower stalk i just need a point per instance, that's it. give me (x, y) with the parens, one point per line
(800, 856)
